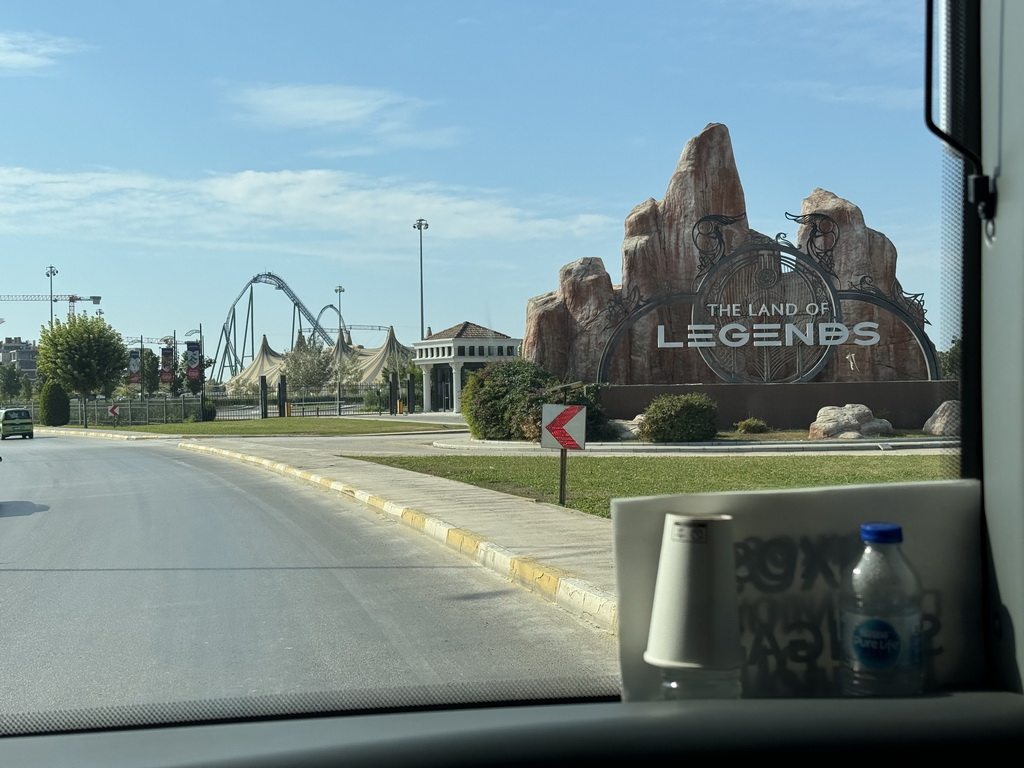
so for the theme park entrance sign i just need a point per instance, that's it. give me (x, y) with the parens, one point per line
(770, 311)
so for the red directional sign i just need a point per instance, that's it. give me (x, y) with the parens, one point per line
(565, 426)
(113, 410)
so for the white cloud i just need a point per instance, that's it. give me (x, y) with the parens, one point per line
(375, 117)
(315, 106)
(285, 206)
(22, 52)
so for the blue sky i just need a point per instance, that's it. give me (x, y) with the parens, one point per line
(162, 154)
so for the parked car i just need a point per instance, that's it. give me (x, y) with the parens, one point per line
(16, 421)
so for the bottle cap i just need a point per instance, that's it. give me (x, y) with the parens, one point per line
(881, 533)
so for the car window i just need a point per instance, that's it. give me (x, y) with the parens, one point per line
(329, 212)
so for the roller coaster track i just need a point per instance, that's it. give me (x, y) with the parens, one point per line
(232, 358)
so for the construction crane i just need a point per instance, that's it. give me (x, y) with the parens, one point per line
(70, 298)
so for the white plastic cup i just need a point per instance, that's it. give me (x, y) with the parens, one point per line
(694, 632)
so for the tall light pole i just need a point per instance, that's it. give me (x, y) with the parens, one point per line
(339, 289)
(421, 224)
(50, 272)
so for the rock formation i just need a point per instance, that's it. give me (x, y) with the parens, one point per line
(852, 421)
(567, 329)
(945, 421)
(865, 253)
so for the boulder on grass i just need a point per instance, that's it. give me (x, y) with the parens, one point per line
(945, 421)
(847, 422)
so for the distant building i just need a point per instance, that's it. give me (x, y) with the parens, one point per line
(447, 357)
(22, 353)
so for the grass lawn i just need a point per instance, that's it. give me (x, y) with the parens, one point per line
(592, 482)
(294, 425)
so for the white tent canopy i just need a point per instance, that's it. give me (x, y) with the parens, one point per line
(371, 361)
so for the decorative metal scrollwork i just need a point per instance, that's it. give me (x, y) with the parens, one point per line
(623, 306)
(822, 238)
(911, 303)
(708, 239)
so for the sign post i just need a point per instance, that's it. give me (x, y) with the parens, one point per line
(564, 428)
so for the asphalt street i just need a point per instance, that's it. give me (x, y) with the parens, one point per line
(137, 573)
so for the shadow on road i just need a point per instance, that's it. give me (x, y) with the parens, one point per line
(20, 508)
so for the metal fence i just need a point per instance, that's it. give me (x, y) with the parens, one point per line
(350, 400)
(101, 412)
(347, 400)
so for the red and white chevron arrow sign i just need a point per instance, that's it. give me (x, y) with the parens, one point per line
(564, 426)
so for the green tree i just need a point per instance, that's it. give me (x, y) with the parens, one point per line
(82, 354)
(10, 381)
(54, 405)
(348, 371)
(503, 400)
(182, 383)
(950, 360)
(310, 365)
(150, 371)
(27, 388)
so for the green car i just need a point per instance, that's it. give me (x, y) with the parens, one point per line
(15, 421)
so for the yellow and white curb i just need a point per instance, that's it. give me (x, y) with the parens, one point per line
(98, 432)
(574, 595)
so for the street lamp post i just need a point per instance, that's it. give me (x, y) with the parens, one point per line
(339, 289)
(421, 224)
(50, 272)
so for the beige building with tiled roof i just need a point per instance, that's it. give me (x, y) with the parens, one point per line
(448, 357)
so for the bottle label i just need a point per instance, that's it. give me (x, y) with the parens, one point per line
(874, 644)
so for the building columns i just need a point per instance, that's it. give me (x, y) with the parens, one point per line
(428, 380)
(456, 387)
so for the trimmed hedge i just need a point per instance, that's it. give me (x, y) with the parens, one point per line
(752, 427)
(54, 405)
(680, 419)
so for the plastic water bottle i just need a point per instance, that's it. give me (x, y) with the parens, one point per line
(880, 619)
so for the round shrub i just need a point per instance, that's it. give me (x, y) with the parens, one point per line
(209, 410)
(680, 419)
(374, 400)
(599, 429)
(502, 400)
(54, 405)
(752, 427)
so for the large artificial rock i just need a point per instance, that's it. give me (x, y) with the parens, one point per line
(570, 313)
(568, 329)
(849, 421)
(863, 253)
(945, 421)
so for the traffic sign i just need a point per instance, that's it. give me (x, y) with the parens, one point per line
(113, 410)
(564, 426)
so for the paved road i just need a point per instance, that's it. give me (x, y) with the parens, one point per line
(135, 573)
